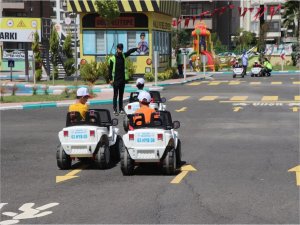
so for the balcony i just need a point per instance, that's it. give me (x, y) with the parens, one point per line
(13, 4)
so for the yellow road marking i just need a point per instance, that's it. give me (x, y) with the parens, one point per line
(295, 109)
(239, 98)
(194, 84)
(236, 109)
(69, 175)
(259, 101)
(183, 109)
(234, 83)
(276, 82)
(208, 98)
(179, 98)
(214, 83)
(297, 170)
(255, 83)
(184, 171)
(297, 98)
(269, 98)
(296, 82)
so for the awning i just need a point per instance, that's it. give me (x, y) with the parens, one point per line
(171, 8)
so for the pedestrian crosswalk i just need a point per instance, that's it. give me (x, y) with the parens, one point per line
(238, 98)
(240, 82)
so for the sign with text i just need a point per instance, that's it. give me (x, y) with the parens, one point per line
(162, 25)
(121, 22)
(19, 29)
(11, 63)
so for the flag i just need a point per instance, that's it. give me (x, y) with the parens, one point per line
(231, 6)
(186, 22)
(244, 12)
(223, 9)
(194, 18)
(272, 11)
(264, 10)
(178, 21)
(257, 14)
(240, 11)
(251, 9)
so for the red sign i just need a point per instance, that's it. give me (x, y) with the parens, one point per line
(126, 22)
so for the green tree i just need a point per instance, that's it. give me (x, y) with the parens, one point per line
(90, 72)
(68, 52)
(261, 43)
(180, 38)
(291, 16)
(108, 10)
(54, 48)
(246, 39)
(37, 56)
(218, 46)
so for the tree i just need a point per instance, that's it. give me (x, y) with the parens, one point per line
(246, 39)
(90, 72)
(68, 52)
(180, 38)
(218, 46)
(54, 48)
(261, 43)
(108, 10)
(37, 56)
(291, 16)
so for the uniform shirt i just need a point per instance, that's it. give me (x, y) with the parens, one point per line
(146, 111)
(268, 65)
(245, 60)
(120, 67)
(78, 107)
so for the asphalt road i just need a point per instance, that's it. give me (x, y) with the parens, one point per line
(242, 151)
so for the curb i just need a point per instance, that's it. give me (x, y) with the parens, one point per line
(95, 102)
(56, 104)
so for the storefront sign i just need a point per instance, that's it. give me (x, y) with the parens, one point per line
(19, 29)
(15, 54)
(161, 25)
(273, 49)
(121, 22)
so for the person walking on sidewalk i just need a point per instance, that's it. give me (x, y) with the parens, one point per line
(245, 62)
(118, 75)
(179, 62)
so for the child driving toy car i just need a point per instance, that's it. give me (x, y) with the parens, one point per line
(144, 100)
(82, 95)
(140, 82)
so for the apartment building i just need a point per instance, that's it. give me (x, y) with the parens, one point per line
(225, 25)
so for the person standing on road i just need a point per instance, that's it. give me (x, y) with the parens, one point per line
(245, 62)
(118, 75)
(179, 62)
(82, 95)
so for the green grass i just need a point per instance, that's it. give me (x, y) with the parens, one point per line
(69, 83)
(278, 68)
(36, 98)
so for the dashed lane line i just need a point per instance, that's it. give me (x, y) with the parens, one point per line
(179, 98)
(269, 98)
(208, 98)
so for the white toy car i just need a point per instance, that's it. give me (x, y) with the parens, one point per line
(133, 105)
(96, 138)
(238, 72)
(256, 71)
(157, 142)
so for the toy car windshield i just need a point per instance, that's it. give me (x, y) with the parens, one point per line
(94, 117)
(155, 95)
(134, 97)
(160, 119)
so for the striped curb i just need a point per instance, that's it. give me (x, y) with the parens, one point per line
(56, 104)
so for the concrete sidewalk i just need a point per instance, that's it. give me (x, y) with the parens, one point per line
(104, 96)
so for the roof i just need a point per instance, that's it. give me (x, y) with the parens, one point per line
(171, 8)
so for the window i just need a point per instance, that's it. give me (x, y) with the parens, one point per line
(161, 43)
(274, 26)
(101, 42)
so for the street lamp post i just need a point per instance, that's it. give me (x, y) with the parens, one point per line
(74, 15)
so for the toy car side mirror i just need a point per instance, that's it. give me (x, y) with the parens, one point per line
(163, 100)
(114, 122)
(176, 124)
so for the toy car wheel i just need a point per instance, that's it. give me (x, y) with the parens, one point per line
(252, 75)
(127, 166)
(117, 148)
(178, 154)
(234, 76)
(169, 162)
(64, 161)
(126, 124)
(243, 76)
(102, 158)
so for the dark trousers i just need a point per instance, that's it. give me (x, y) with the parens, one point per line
(245, 70)
(118, 90)
(180, 72)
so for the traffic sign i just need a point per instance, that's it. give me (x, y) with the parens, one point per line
(68, 20)
(11, 63)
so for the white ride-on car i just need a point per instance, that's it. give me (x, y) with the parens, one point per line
(95, 139)
(238, 72)
(157, 103)
(256, 71)
(156, 142)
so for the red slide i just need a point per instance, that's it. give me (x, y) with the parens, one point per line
(210, 60)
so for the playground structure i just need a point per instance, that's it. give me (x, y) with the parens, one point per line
(203, 45)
